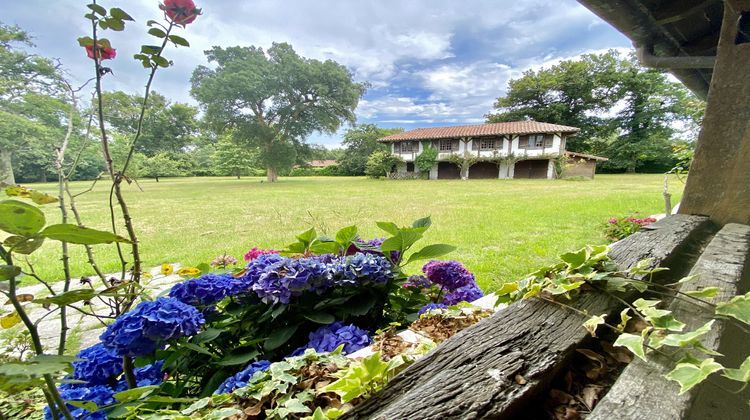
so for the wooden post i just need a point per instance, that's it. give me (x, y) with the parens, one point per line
(719, 182)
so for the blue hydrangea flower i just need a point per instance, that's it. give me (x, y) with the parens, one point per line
(257, 267)
(144, 376)
(205, 290)
(468, 293)
(364, 269)
(241, 378)
(329, 337)
(150, 325)
(431, 307)
(101, 395)
(418, 282)
(97, 365)
(448, 274)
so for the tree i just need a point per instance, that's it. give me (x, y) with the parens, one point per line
(381, 163)
(584, 93)
(274, 99)
(160, 165)
(360, 142)
(167, 127)
(232, 159)
(22, 74)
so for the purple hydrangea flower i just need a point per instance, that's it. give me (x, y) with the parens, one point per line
(364, 269)
(418, 282)
(101, 395)
(468, 293)
(431, 307)
(205, 290)
(97, 365)
(329, 337)
(448, 274)
(241, 378)
(257, 267)
(150, 325)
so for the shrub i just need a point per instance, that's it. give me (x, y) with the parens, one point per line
(380, 163)
(426, 160)
(619, 228)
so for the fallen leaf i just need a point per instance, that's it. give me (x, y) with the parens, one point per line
(520, 380)
(590, 395)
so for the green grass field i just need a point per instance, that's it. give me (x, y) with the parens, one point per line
(503, 228)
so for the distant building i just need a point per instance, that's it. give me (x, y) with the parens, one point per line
(580, 164)
(520, 149)
(321, 163)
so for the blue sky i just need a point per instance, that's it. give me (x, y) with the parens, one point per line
(430, 62)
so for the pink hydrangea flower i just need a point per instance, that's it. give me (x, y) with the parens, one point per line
(257, 252)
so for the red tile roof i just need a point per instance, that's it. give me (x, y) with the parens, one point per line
(585, 156)
(496, 129)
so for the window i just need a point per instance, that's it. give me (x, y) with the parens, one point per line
(487, 144)
(534, 141)
(408, 146)
(409, 166)
(446, 146)
(548, 139)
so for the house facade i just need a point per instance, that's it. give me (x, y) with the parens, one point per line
(521, 149)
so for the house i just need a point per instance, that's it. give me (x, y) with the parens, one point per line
(520, 149)
(580, 165)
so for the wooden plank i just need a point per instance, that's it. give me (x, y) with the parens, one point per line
(472, 374)
(641, 391)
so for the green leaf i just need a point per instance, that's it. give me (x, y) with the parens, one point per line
(279, 337)
(624, 318)
(688, 338)
(24, 245)
(75, 234)
(179, 40)
(207, 336)
(85, 41)
(575, 259)
(19, 218)
(196, 348)
(706, 292)
(685, 279)
(422, 223)
(66, 298)
(320, 317)
(742, 374)
(157, 32)
(389, 227)
(42, 198)
(135, 393)
(118, 13)
(346, 235)
(324, 247)
(295, 406)
(8, 272)
(307, 236)
(238, 359)
(633, 342)
(738, 307)
(401, 241)
(86, 405)
(431, 251)
(360, 305)
(689, 375)
(97, 9)
(10, 320)
(150, 49)
(114, 24)
(103, 24)
(160, 61)
(592, 323)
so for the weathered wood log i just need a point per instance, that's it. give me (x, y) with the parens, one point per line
(642, 391)
(472, 375)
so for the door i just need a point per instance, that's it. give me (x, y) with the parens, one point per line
(483, 170)
(447, 170)
(531, 169)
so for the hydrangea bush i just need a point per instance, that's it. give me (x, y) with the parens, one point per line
(212, 333)
(622, 227)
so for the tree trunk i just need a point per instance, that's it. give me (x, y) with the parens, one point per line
(271, 175)
(6, 168)
(156, 178)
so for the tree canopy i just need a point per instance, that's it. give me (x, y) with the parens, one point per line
(359, 143)
(274, 99)
(626, 112)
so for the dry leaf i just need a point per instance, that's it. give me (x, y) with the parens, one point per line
(520, 380)
(590, 395)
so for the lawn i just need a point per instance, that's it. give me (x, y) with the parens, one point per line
(503, 228)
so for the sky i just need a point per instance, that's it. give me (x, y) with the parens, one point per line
(428, 62)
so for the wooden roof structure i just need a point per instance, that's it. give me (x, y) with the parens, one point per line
(681, 35)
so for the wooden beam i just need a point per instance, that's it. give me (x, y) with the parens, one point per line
(719, 182)
(678, 10)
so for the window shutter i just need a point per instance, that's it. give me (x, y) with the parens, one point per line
(523, 142)
(548, 140)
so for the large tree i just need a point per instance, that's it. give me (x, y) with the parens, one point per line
(274, 99)
(626, 112)
(360, 142)
(23, 78)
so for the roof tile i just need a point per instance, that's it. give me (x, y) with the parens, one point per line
(495, 129)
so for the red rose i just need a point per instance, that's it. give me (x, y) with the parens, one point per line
(181, 12)
(105, 53)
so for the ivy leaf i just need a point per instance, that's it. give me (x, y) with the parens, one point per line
(633, 342)
(685, 279)
(507, 288)
(120, 14)
(689, 375)
(592, 323)
(279, 337)
(624, 318)
(178, 40)
(19, 218)
(742, 374)
(295, 406)
(75, 234)
(575, 259)
(706, 292)
(431, 251)
(738, 307)
(686, 339)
